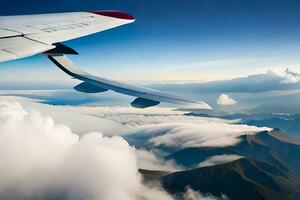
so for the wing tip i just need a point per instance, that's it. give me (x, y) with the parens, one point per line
(114, 13)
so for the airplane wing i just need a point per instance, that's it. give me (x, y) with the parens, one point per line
(23, 36)
(27, 35)
(145, 97)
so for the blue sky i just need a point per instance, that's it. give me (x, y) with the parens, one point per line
(196, 40)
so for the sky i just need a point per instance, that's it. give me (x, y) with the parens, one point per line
(170, 41)
(244, 47)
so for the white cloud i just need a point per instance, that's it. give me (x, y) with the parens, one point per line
(132, 117)
(288, 77)
(190, 194)
(72, 116)
(148, 160)
(219, 159)
(225, 100)
(183, 135)
(269, 81)
(40, 159)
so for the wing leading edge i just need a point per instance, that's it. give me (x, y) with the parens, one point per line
(145, 97)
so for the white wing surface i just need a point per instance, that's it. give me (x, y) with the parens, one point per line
(12, 48)
(59, 27)
(27, 35)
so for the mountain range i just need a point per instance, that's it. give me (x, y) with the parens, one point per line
(268, 168)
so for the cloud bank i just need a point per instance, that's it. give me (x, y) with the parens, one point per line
(272, 80)
(132, 117)
(225, 100)
(183, 135)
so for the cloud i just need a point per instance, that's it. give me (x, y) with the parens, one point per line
(219, 159)
(225, 100)
(191, 194)
(288, 77)
(78, 121)
(131, 118)
(149, 160)
(269, 81)
(42, 160)
(182, 135)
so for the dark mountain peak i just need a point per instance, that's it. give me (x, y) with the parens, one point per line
(253, 179)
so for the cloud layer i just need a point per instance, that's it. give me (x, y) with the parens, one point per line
(183, 135)
(131, 118)
(272, 80)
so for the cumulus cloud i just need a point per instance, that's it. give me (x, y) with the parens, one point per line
(183, 135)
(42, 160)
(78, 121)
(271, 80)
(225, 100)
(219, 159)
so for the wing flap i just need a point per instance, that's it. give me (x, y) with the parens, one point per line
(20, 47)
